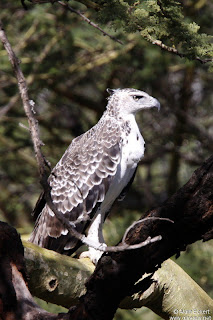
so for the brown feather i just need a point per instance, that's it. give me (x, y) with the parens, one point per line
(79, 184)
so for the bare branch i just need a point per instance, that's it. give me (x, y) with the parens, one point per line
(88, 21)
(34, 131)
(68, 7)
(120, 248)
(140, 221)
(33, 125)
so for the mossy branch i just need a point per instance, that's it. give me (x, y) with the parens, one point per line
(61, 280)
(54, 277)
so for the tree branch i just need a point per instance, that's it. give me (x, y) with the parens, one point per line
(61, 279)
(172, 50)
(27, 103)
(34, 131)
(15, 299)
(55, 278)
(116, 274)
(68, 7)
(191, 209)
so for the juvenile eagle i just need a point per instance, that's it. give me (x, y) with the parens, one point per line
(94, 171)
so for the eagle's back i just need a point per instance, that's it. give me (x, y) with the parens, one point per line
(79, 183)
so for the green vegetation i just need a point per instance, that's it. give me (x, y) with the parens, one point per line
(69, 64)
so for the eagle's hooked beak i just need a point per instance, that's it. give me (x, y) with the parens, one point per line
(156, 104)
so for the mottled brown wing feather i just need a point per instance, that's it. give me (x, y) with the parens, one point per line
(79, 184)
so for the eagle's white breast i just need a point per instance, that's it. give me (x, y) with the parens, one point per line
(133, 145)
(132, 150)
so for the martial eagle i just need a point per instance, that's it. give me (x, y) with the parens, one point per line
(94, 171)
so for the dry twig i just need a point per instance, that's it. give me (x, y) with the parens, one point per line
(68, 7)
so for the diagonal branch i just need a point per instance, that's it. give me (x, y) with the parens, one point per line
(34, 131)
(69, 8)
(27, 103)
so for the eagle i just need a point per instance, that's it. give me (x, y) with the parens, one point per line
(96, 169)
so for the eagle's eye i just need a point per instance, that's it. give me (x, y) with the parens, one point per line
(136, 98)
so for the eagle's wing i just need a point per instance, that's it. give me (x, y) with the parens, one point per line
(79, 183)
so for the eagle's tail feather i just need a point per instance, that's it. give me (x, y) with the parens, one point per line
(48, 233)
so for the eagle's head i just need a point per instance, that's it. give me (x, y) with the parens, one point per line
(130, 101)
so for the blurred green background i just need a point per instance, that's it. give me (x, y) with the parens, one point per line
(68, 65)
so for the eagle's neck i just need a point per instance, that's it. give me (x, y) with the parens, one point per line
(113, 109)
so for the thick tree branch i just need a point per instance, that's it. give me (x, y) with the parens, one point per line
(54, 277)
(191, 209)
(61, 280)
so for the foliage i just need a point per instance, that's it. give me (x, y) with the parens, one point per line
(160, 20)
(69, 64)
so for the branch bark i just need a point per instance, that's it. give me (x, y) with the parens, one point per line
(61, 280)
(54, 277)
(16, 301)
